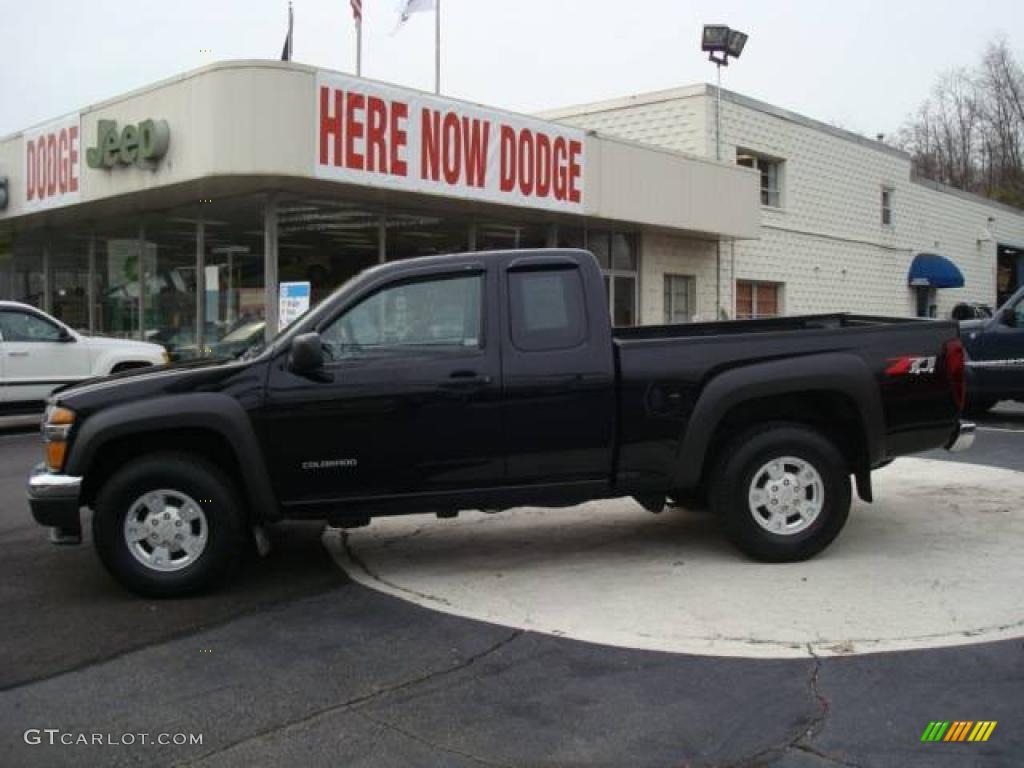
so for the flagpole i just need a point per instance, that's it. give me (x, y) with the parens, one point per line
(359, 46)
(437, 47)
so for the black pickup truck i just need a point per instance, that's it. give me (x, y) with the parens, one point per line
(488, 381)
(995, 356)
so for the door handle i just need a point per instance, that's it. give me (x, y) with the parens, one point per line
(466, 380)
(17, 354)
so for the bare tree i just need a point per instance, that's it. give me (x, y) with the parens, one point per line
(970, 132)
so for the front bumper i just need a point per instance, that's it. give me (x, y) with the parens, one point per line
(55, 500)
(963, 437)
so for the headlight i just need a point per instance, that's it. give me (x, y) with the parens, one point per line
(57, 427)
(166, 357)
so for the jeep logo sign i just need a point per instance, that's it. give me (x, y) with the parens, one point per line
(142, 145)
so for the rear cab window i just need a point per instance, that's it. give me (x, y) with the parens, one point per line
(547, 309)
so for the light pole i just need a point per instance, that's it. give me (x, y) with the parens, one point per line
(720, 42)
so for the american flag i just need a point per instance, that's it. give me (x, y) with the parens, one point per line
(357, 10)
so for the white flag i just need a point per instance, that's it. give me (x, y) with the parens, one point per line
(409, 7)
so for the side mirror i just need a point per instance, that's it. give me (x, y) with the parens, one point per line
(307, 355)
(1008, 317)
(65, 337)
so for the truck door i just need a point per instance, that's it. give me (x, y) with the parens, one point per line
(558, 372)
(410, 401)
(1001, 366)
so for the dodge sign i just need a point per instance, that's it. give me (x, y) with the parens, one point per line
(378, 135)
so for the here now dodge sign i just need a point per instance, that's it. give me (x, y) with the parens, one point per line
(381, 136)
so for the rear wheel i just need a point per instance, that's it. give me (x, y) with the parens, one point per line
(783, 492)
(168, 525)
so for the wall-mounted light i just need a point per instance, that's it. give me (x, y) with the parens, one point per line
(4, 193)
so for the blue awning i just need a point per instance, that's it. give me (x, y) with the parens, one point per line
(929, 270)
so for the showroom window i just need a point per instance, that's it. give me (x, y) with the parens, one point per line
(756, 299)
(770, 169)
(616, 254)
(680, 298)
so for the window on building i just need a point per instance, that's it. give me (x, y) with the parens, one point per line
(754, 300)
(887, 206)
(680, 298)
(616, 254)
(770, 169)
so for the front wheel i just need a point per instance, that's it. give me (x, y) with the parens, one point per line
(168, 525)
(783, 492)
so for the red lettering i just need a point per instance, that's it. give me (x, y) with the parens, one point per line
(430, 154)
(476, 134)
(353, 130)
(51, 165)
(561, 172)
(62, 173)
(575, 169)
(526, 160)
(507, 177)
(73, 158)
(451, 143)
(376, 149)
(30, 170)
(41, 168)
(399, 137)
(543, 165)
(330, 125)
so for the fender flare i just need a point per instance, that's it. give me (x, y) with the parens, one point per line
(202, 410)
(833, 372)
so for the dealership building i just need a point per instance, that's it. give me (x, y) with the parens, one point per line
(176, 212)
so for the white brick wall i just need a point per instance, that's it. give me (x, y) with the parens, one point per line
(826, 243)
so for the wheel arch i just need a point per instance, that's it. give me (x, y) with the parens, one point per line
(211, 425)
(821, 391)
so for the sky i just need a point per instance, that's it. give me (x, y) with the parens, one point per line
(863, 65)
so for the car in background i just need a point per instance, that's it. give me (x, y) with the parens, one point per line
(38, 353)
(971, 310)
(995, 356)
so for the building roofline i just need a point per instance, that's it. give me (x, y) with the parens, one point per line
(228, 64)
(938, 186)
(706, 89)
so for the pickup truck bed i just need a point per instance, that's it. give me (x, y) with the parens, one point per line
(486, 381)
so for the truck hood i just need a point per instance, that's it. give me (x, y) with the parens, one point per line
(139, 383)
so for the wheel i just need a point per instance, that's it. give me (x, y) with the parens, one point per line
(783, 492)
(168, 525)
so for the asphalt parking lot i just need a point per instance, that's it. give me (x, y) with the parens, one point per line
(296, 664)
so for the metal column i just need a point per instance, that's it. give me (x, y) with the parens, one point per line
(382, 239)
(47, 279)
(270, 266)
(141, 271)
(90, 286)
(200, 287)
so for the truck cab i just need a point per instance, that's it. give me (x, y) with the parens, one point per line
(995, 356)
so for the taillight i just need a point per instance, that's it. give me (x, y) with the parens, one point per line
(956, 370)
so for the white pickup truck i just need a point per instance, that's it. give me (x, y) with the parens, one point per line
(38, 353)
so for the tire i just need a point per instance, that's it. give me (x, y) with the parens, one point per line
(181, 501)
(809, 508)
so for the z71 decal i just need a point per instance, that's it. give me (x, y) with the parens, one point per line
(909, 365)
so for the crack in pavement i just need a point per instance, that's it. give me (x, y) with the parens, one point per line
(350, 704)
(422, 740)
(799, 741)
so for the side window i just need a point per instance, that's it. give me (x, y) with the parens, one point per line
(547, 309)
(441, 314)
(21, 326)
